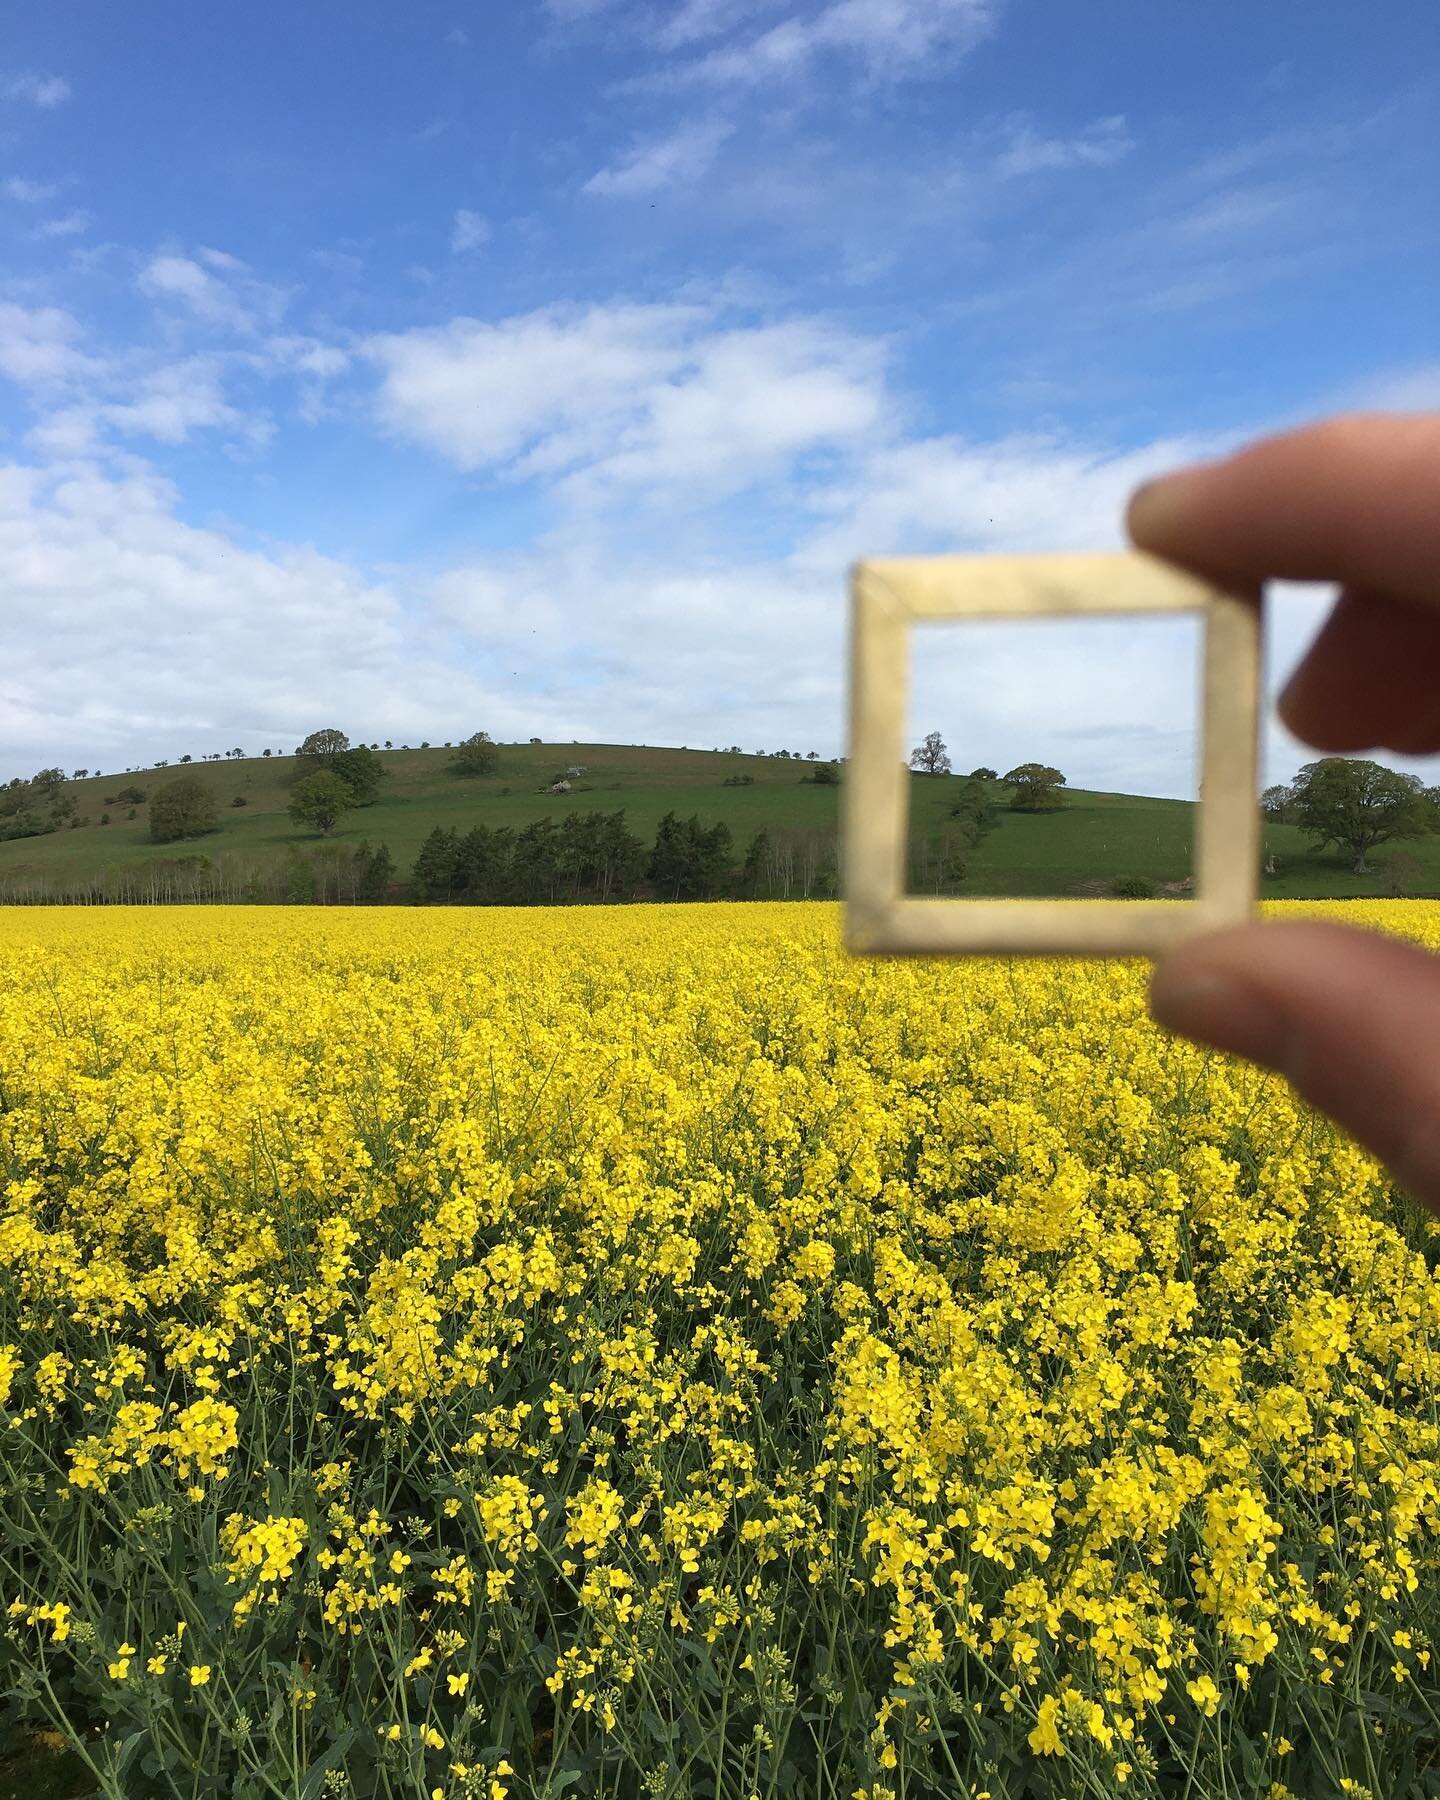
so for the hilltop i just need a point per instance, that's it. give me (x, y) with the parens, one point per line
(1094, 839)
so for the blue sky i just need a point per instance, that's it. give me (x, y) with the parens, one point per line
(542, 366)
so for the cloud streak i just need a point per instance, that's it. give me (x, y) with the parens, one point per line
(885, 40)
(676, 159)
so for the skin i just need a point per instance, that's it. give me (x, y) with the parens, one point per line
(1350, 1018)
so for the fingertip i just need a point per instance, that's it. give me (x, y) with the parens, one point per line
(1198, 993)
(1153, 509)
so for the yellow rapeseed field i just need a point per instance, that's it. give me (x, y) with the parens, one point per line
(645, 1351)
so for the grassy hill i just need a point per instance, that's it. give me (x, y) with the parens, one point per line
(1097, 837)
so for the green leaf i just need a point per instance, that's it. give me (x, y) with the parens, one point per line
(313, 1780)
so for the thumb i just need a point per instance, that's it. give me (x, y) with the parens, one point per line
(1351, 1018)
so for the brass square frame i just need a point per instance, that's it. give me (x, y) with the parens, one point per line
(887, 596)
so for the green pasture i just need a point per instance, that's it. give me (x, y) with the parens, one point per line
(1092, 840)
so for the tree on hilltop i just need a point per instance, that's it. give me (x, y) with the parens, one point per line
(320, 749)
(1037, 788)
(475, 755)
(931, 757)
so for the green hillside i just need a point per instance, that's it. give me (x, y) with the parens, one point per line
(1094, 839)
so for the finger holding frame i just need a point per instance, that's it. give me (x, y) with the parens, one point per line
(889, 595)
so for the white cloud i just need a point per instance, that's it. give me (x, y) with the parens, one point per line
(680, 651)
(481, 394)
(44, 91)
(679, 157)
(1029, 151)
(137, 393)
(171, 403)
(889, 39)
(1016, 494)
(256, 648)
(29, 193)
(177, 278)
(71, 224)
(231, 299)
(632, 395)
(223, 260)
(63, 436)
(38, 346)
(470, 231)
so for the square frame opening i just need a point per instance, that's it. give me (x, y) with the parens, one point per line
(887, 596)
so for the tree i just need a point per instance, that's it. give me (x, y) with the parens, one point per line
(1037, 788)
(182, 809)
(1277, 804)
(983, 775)
(1355, 804)
(824, 774)
(362, 772)
(757, 858)
(931, 757)
(475, 755)
(688, 862)
(974, 809)
(437, 871)
(939, 865)
(132, 795)
(374, 872)
(321, 748)
(597, 854)
(320, 801)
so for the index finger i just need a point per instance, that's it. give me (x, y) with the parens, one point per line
(1353, 499)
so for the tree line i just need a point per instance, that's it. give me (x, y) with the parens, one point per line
(310, 875)
(595, 856)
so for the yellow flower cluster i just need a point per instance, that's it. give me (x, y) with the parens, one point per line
(573, 1340)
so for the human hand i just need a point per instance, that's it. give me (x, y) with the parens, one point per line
(1351, 1018)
